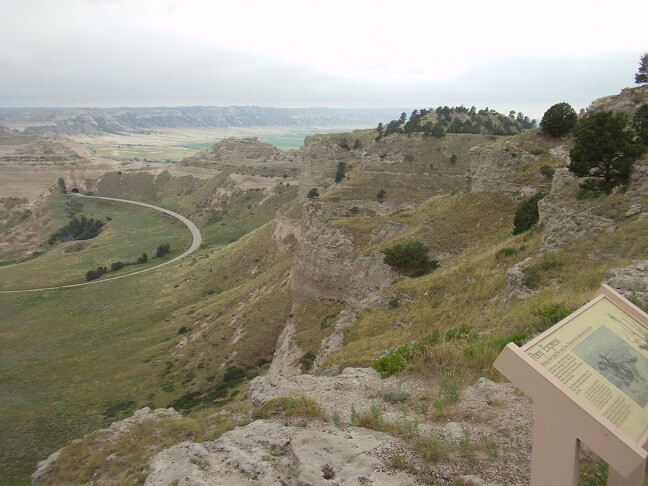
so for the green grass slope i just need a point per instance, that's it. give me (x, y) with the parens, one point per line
(131, 231)
(73, 360)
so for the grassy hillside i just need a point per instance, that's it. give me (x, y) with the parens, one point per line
(130, 231)
(76, 359)
(73, 360)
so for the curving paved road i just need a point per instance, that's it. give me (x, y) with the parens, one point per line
(195, 233)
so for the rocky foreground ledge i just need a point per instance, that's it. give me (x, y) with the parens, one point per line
(269, 453)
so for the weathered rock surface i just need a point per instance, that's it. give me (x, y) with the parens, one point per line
(638, 184)
(286, 357)
(634, 210)
(391, 228)
(268, 453)
(319, 162)
(111, 433)
(630, 281)
(628, 101)
(334, 393)
(493, 166)
(44, 467)
(287, 231)
(472, 480)
(561, 152)
(516, 290)
(325, 269)
(562, 177)
(346, 318)
(564, 224)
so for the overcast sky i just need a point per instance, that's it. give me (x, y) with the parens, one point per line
(298, 53)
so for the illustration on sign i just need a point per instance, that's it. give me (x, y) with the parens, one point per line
(617, 361)
(601, 354)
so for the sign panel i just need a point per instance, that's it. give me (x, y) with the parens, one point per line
(601, 355)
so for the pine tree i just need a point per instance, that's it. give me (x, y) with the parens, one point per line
(604, 150)
(642, 75)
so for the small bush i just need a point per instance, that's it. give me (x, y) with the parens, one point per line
(61, 183)
(393, 362)
(396, 396)
(527, 214)
(341, 171)
(371, 419)
(121, 408)
(549, 315)
(116, 266)
(95, 274)
(162, 250)
(481, 354)
(396, 360)
(307, 361)
(410, 258)
(291, 407)
(394, 303)
(398, 461)
(451, 386)
(409, 158)
(460, 332)
(337, 420)
(585, 193)
(143, 258)
(233, 375)
(430, 448)
(547, 171)
(531, 277)
(466, 449)
(505, 252)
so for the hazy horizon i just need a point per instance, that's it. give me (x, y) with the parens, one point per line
(284, 54)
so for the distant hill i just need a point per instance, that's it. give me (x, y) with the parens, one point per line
(94, 121)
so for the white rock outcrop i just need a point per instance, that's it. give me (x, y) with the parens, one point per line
(638, 184)
(630, 281)
(325, 269)
(268, 453)
(564, 224)
(493, 166)
(338, 393)
(628, 101)
(516, 290)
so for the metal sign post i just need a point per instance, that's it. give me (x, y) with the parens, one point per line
(588, 379)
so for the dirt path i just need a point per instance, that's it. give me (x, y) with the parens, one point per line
(195, 233)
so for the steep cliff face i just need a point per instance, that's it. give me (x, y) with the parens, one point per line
(324, 268)
(493, 167)
(319, 162)
(324, 265)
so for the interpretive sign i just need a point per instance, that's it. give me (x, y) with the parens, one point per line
(588, 378)
(601, 354)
